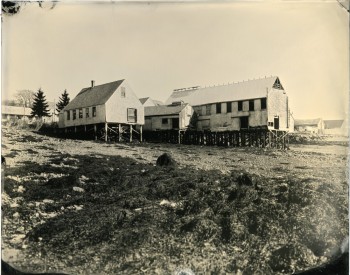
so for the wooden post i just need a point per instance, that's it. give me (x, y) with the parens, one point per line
(179, 137)
(119, 133)
(106, 132)
(85, 128)
(75, 129)
(141, 133)
(95, 131)
(130, 133)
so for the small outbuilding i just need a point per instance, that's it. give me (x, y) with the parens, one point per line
(335, 127)
(15, 112)
(314, 126)
(171, 117)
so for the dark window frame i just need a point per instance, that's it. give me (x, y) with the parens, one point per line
(165, 121)
(228, 107)
(263, 102)
(131, 118)
(80, 113)
(68, 115)
(94, 113)
(74, 114)
(240, 105)
(87, 112)
(122, 92)
(218, 108)
(251, 105)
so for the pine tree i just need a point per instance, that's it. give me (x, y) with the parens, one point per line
(40, 105)
(63, 102)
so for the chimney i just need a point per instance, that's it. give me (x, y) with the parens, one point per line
(92, 83)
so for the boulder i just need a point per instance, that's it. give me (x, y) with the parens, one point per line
(165, 160)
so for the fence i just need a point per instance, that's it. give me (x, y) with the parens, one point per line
(261, 138)
(244, 138)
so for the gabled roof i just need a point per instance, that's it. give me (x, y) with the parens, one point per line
(333, 124)
(307, 122)
(155, 102)
(143, 100)
(93, 96)
(164, 110)
(251, 89)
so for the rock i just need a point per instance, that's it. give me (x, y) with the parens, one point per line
(48, 201)
(14, 205)
(165, 160)
(78, 189)
(21, 189)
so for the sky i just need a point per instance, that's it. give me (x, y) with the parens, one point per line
(159, 47)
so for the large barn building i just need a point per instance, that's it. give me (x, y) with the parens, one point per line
(259, 103)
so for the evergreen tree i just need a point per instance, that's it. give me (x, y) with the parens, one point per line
(193, 121)
(40, 105)
(63, 102)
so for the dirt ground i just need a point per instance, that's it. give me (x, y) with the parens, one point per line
(86, 207)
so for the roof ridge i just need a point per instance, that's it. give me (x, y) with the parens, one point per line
(239, 82)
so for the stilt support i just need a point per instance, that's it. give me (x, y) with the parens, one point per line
(130, 133)
(141, 133)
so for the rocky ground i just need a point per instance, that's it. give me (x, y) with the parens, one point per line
(86, 207)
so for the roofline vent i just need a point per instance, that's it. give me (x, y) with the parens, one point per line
(92, 83)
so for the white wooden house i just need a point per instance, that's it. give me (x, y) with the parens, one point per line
(172, 117)
(112, 103)
(255, 103)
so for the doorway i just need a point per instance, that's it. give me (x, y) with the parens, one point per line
(276, 122)
(175, 123)
(244, 122)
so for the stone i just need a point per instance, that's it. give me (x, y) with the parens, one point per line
(165, 160)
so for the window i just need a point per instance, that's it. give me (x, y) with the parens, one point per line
(122, 91)
(218, 108)
(80, 113)
(228, 107)
(87, 114)
(270, 123)
(164, 121)
(132, 115)
(93, 111)
(74, 114)
(68, 115)
(263, 103)
(251, 105)
(240, 105)
(207, 110)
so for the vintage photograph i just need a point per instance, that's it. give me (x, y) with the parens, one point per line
(175, 137)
